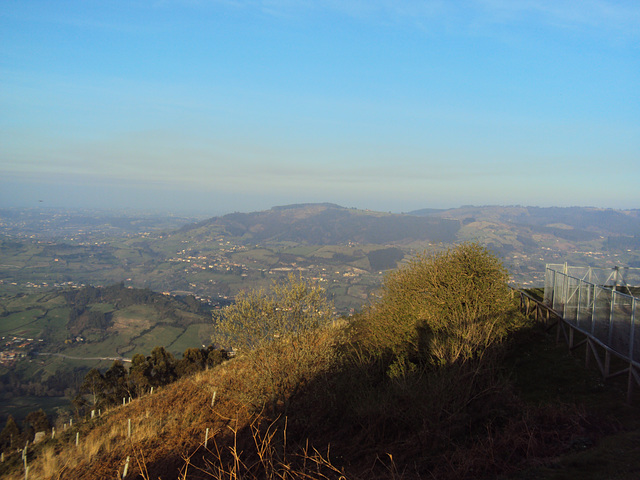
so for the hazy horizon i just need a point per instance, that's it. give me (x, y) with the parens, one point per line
(204, 213)
(222, 106)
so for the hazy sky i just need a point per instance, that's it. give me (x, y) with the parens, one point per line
(223, 105)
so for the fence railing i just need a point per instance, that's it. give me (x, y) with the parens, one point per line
(606, 314)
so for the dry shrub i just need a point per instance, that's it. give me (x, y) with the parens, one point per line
(283, 334)
(440, 309)
(422, 365)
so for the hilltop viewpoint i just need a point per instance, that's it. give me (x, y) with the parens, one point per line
(441, 377)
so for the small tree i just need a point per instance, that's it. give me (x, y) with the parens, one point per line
(10, 436)
(162, 365)
(94, 383)
(259, 318)
(278, 331)
(192, 361)
(215, 356)
(36, 421)
(116, 383)
(140, 374)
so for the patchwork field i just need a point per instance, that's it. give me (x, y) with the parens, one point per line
(45, 360)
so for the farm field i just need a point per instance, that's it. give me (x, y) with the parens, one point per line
(51, 339)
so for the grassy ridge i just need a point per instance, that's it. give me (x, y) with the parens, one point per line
(442, 378)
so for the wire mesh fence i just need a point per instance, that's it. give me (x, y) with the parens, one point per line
(600, 303)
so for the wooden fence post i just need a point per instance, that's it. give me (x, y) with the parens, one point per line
(24, 459)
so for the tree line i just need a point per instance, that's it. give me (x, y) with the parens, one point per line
(12, 436)
(100, 390)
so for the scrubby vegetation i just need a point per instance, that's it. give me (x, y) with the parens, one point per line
(425, 383)
(158, 369)
(281, 333)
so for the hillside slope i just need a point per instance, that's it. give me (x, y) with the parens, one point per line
(56, 337)
(329, 224)
(459, 385)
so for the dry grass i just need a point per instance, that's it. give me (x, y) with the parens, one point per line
(348, 415)
(266, 458)
(167, 435)
(168, 428)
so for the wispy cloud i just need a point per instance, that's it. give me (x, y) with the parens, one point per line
(612, 16)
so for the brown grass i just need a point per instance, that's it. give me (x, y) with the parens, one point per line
(446, 414)
(168, 428)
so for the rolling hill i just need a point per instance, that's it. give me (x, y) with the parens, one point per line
(344, 247)
(50, 340)
(329, 224)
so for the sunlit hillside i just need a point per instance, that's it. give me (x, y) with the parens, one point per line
(442, 378)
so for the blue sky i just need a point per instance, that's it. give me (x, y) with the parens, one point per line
(213, 106)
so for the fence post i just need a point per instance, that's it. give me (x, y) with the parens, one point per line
(580, 284)
(24, 459)
(126, 468)
(587, 359)
(632, 339)
(565, 293)
(632, 329)
(607, 357)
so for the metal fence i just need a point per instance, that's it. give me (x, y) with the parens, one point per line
(600, 304)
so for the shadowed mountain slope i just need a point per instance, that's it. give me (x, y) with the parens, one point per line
(327, 224)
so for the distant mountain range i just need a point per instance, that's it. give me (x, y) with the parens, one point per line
(526, 238)
(602, 221)
(329, 224)
(347, 248)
